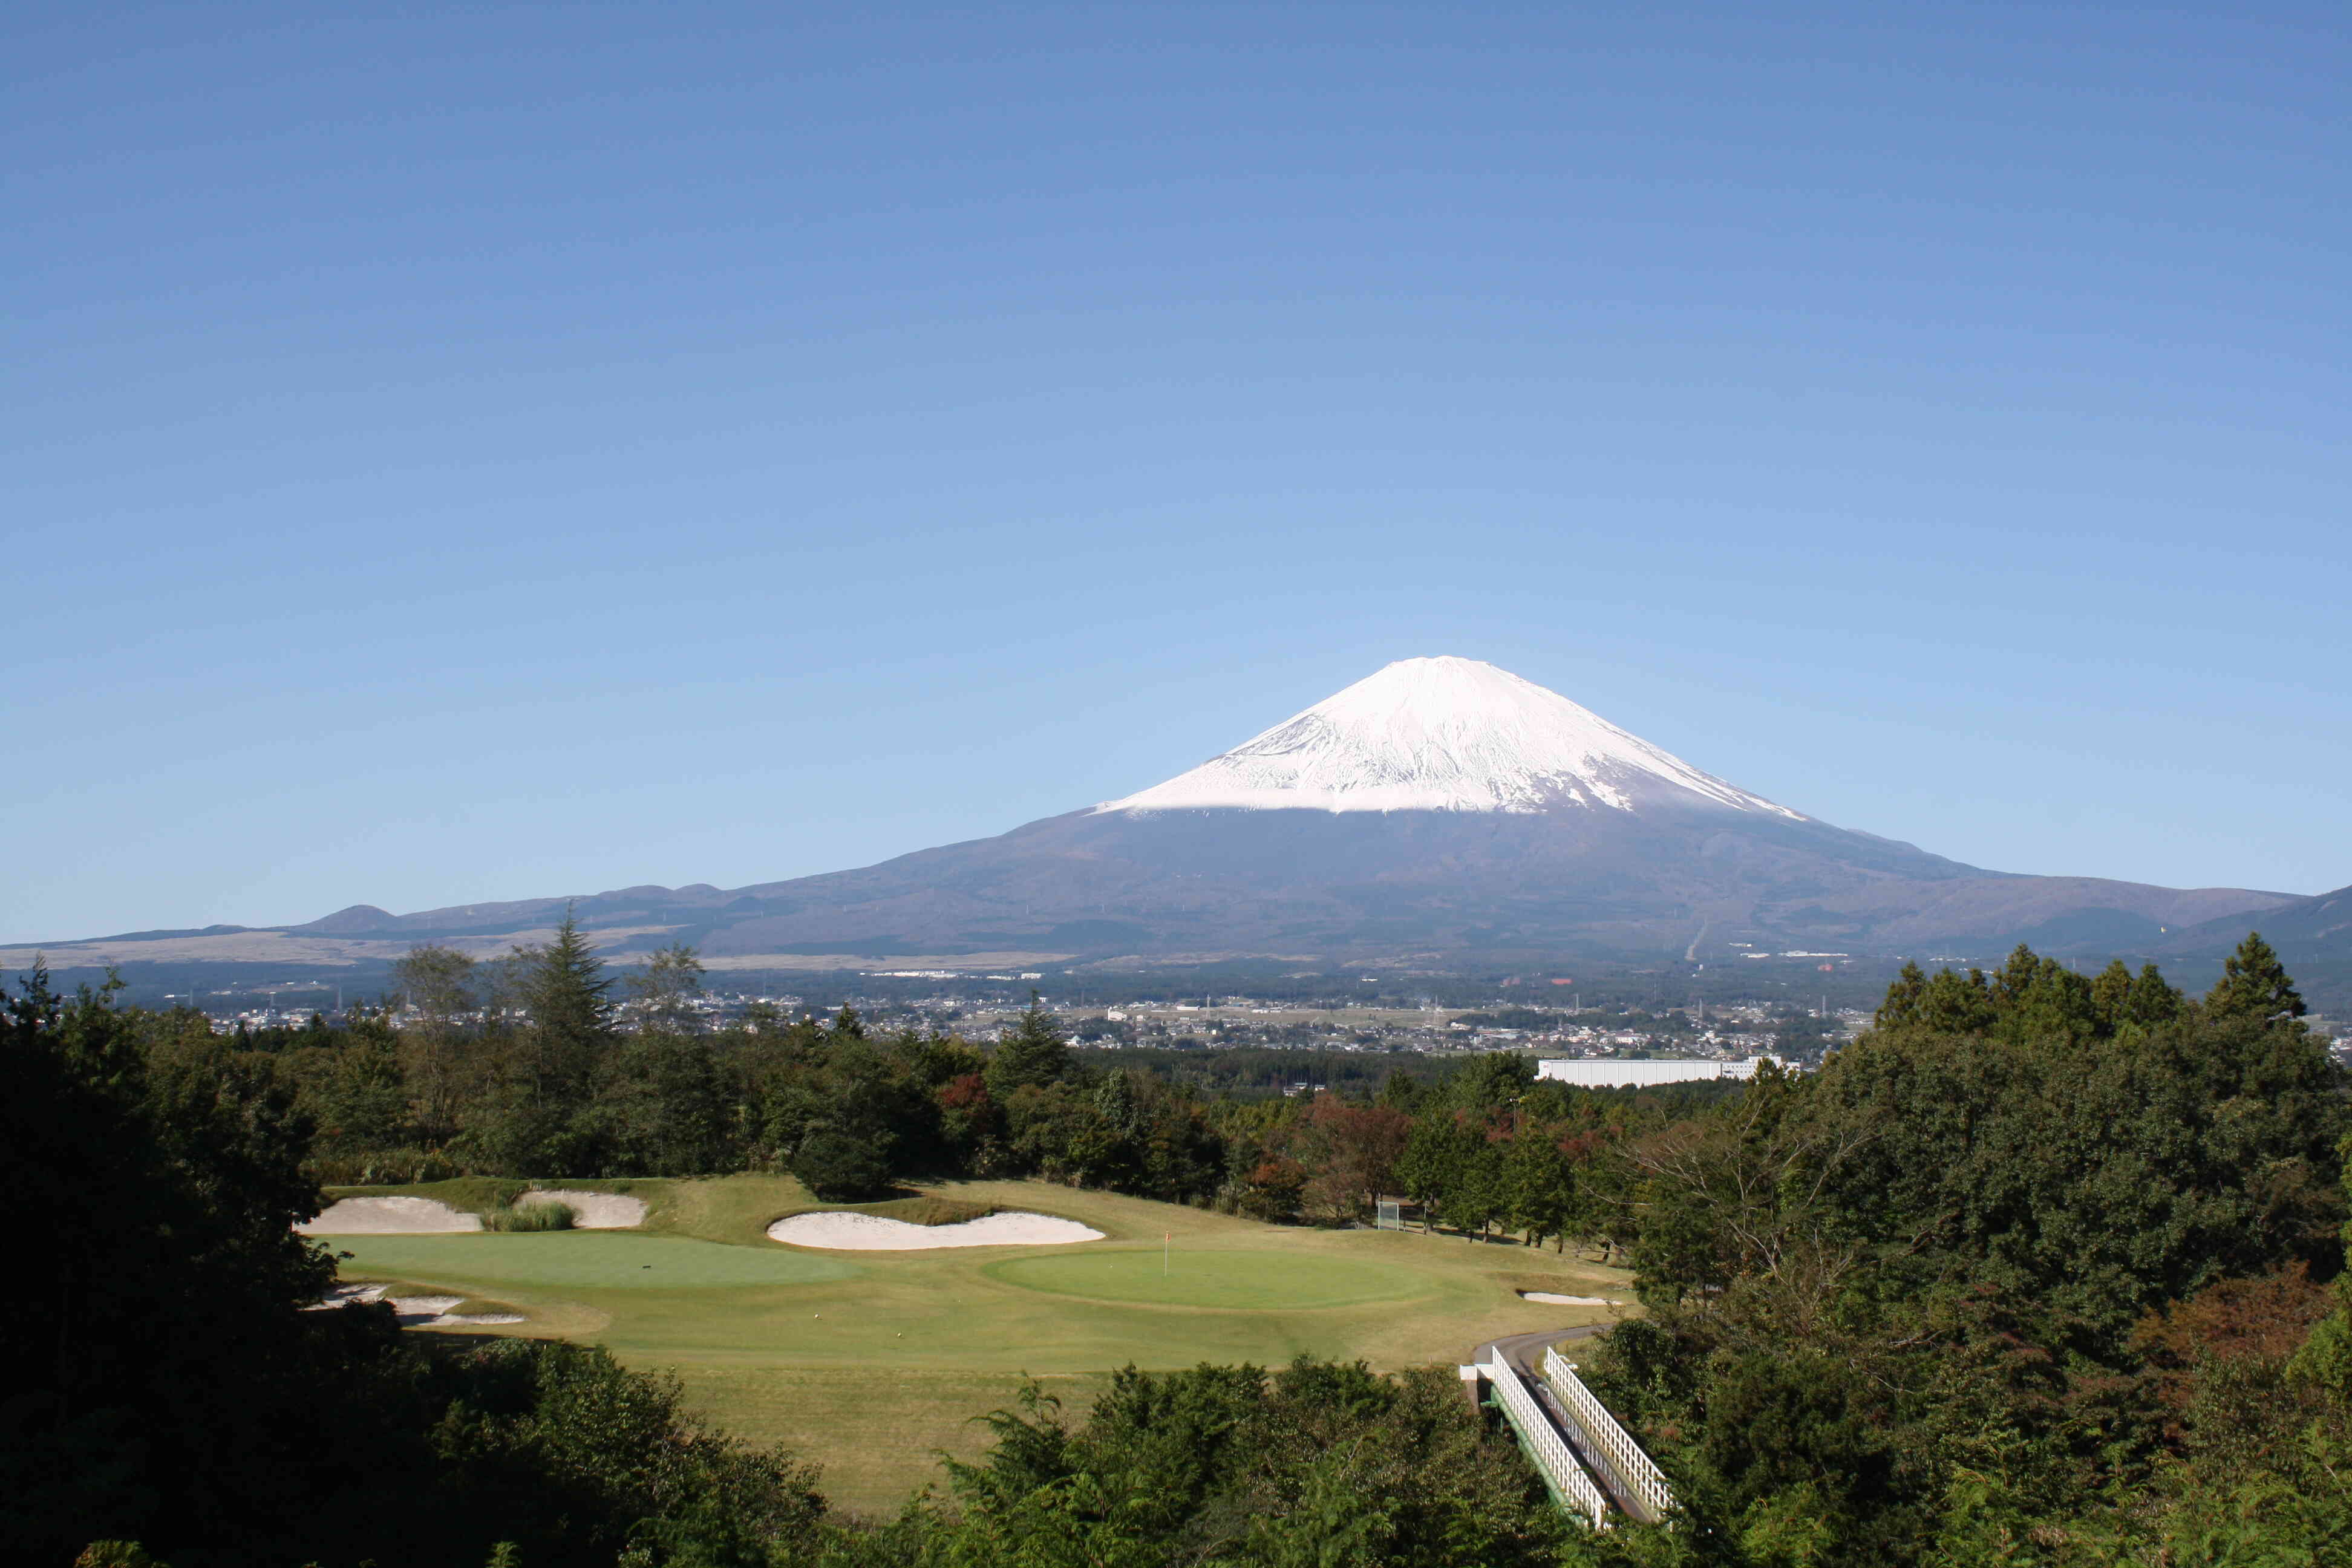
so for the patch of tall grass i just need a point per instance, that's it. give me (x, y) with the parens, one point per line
(926, 1210)
(530, 1214)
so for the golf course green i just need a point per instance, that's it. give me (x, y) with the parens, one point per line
(601, 1259)
(873, 1364)
(1239, 1281)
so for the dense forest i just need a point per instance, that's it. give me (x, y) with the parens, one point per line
(2041, 1268)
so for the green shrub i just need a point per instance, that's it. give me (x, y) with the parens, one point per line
(838, 1166)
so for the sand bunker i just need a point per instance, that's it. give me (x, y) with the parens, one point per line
(429, 1216)
(414, 1311)
(1550, 1300)
(592, 1211)
(874, 1233)
(389, 1216)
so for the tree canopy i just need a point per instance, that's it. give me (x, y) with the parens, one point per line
(1991, 1285)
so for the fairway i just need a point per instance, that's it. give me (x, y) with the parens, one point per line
(599, 1259)
(873, 1366)
(1240, 1281)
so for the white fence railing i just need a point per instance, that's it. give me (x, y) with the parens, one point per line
(1551, 1453)
(1635, 1468)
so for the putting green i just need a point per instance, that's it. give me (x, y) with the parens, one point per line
(601, 1259)
(1247, 1281)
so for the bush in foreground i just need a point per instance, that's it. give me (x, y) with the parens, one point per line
(1319, 1463)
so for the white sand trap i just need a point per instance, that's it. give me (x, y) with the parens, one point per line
(592, 1211)
(389, 1216)
(875, 1232)
(339, 1294)
(412, 1312)
(1550, 1300)
(436, 1312)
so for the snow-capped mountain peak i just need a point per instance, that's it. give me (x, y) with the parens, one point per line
(1440, 734)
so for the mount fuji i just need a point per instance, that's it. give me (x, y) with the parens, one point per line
(1440, 734)
(1441, 810)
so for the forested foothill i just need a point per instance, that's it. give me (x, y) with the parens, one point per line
(2041, 1268)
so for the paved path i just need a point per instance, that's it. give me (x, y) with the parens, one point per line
(1525, 1352)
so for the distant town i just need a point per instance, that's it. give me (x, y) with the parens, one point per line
(1715, 1032)
(1733, 1034)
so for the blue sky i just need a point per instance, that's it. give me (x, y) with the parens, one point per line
(451, 454)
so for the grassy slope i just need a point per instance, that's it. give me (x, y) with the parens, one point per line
(873, 1360)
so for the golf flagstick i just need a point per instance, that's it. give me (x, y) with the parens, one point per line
(1165, 1237)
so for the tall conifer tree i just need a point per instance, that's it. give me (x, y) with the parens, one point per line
(2111, 995)
(1903, 998)
(1033, 1053)
(2154, 999)
(565, 987)
(2253, 984)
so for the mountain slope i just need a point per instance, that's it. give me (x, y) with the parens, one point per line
(1441, 807)
(2313, 935)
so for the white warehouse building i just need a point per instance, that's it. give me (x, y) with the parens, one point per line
(1612, 1072)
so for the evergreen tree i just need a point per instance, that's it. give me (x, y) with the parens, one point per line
(2111, 995)
(2154, 1000)
(1481, 1194)
(2253, 984)
(661, 1108)
(2013, 979)
(2055, 1002)
(1491, 1082)
(1953, 1006)
(1035, 1053)
(1903, 998)
(1121, 1107)
(564, 988)
(2031, 998)
(1435, 1159)
(1541, 1183)
(1400, 1091)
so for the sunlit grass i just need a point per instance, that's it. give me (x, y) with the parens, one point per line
(868, 1360)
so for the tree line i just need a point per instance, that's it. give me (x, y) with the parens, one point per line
(547, 1064)
(2041, 1268)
